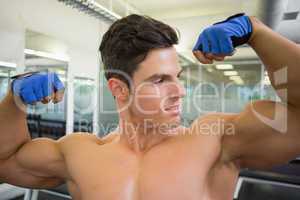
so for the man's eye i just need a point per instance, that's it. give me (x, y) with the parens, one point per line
(159, 81)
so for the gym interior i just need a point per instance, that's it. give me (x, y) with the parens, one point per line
(63, 36)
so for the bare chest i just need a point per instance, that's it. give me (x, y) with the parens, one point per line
(162, 174)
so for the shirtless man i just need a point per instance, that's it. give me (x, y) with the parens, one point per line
(145, 161)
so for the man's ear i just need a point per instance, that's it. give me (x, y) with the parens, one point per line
(118, 88)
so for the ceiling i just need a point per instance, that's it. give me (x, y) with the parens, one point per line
(168, 8)
(190, 17)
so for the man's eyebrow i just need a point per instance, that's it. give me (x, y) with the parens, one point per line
(156, 76)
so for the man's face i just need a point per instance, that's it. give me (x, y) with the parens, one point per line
(157, 91)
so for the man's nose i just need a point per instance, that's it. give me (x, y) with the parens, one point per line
(178, 90)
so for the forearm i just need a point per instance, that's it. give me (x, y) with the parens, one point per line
(277, 52)
(13, 127)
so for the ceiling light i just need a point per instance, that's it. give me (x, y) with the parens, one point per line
(230, 73)
(239, 82)
(234, 77)
(92, 8)
(47, 55)
(209, 69)
(237, 79)
(8, 64)
(224, 67)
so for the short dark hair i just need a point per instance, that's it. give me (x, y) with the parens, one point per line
(129, 40)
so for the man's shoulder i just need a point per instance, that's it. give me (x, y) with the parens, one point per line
(209, 131)
(214, 124)
(206, 133)
(79, 138)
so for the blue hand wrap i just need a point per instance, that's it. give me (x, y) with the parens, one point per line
(223, 37)
(33, 87)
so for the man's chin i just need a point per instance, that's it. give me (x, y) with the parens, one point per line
(172, 128)
(174, 121)
(169, 121)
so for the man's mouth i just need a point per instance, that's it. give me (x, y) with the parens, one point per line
(175, 109)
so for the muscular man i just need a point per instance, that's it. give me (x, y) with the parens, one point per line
(151, 156)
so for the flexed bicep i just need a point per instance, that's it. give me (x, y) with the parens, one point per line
(266, 134)
(37, 164)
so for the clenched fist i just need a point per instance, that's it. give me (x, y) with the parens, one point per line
(38, 87)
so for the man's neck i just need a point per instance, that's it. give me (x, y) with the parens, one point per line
(139, 138)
